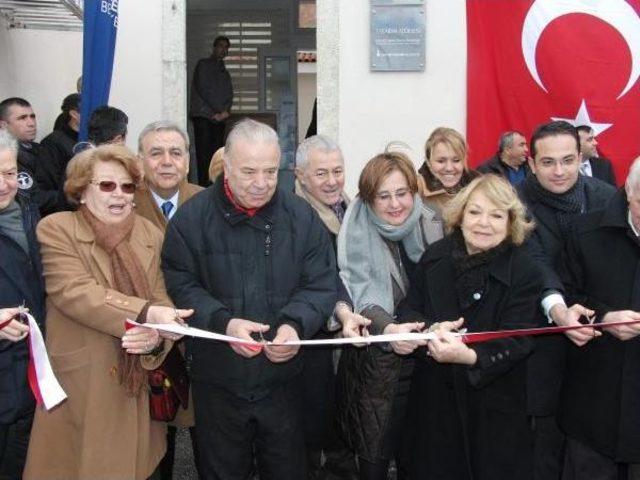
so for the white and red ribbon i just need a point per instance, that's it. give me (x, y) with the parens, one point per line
(473, 337)
(42, 381)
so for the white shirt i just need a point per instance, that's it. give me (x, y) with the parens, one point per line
(159, 201)
(585, 168)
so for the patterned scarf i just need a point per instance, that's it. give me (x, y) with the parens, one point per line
(566, 204)
(129, 278)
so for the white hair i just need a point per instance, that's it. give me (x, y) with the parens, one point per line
(8, 141)
(163, 126)
(312, 144)
(633, 178)
(250, 131)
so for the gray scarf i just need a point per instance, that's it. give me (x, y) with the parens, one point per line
(367, 267)
(11, 225)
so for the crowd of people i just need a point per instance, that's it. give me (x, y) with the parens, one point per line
(93, 234)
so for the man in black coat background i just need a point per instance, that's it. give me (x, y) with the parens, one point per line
(592, 165)
(554, 194)
(254, 262)
(510, 161)
(18, 118)
(600, 401)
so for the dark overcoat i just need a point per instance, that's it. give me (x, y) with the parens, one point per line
(600, 400)
(471, 422)
(545, 246)
(20, 284)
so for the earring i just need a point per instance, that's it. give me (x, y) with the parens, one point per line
(133, 204)
(82, 202)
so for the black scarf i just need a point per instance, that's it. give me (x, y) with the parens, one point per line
(472, 271)
(565, 205)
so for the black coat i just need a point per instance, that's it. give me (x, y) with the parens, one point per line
(20, 282)
(47, 201)
(56, 149)
(602, 169)
(495, 165)
(471, 422)
(546, 246)
(276, 267)
(211, 89)
(600, 400)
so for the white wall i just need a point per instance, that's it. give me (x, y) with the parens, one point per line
(136, 85)
(41, 66)
(375, 108)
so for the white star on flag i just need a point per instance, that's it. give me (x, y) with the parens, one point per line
(582, 118)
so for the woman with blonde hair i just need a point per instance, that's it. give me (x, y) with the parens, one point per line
(445, 171)
(467, 415)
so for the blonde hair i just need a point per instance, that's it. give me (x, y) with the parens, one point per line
(450, 137)
(216, 165)
(499, 192)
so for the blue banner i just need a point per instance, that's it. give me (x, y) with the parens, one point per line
(98, 46)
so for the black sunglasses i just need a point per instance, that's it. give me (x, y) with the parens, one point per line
(110, 186)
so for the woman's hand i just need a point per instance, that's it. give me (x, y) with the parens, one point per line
(15, 330)
(353, 324)
(158, 314)
(405, 347)
(449, 348)
(141, 340)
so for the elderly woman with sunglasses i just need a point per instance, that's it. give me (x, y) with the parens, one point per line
(101, 266)
(384, 233)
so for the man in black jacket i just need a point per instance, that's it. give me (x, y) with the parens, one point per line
(511, 160)
(20, 284)
(602, 271)
(554, 194)
(211, 99)
(17, 117)
(254, 262)
(592, 165)
(56, 149)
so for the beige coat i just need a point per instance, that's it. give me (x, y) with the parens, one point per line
(147, 207)
(99, 432)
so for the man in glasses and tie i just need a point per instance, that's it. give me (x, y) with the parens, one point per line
(163, 148)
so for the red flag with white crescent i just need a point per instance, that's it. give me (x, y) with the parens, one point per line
(533, 61)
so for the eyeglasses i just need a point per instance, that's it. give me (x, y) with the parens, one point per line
(109, 186)
(398, 195)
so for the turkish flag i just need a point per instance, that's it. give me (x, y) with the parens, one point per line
(529, 62)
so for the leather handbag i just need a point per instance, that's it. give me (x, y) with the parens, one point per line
(169, 387)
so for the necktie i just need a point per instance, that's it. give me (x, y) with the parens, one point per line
(166, 208)
(338, 209)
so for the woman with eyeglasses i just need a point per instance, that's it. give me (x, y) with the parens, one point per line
(101, 266)
(445, 171)
(385, 231)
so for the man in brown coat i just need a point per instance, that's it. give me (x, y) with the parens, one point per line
(163, 148)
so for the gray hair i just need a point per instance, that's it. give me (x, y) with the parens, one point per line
(506, 140)
(633, 177)
(163, 126)
(8, 141)
(249, 131)
(311, 144)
